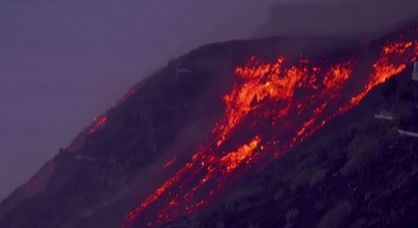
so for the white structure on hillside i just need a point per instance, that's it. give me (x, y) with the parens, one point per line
(408, 133)
(385, 115)
(415, 71)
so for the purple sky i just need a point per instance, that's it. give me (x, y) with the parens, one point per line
(63, 62)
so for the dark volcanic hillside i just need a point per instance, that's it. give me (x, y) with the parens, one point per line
(357, 171)
(184, 136)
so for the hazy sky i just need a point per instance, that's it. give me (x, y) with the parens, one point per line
(63, 62)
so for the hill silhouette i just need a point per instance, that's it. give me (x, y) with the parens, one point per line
(224, 114)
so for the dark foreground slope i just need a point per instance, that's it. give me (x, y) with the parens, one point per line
(137, 164)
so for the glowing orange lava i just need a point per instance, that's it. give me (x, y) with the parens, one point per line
(79, 140)
(169, 163)
(276, 107)
(232, 160)
(385, 68)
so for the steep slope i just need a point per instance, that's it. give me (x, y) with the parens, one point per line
(172, 145)
(273, 107)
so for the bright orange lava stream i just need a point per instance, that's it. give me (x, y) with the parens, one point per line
(79, 140)
(268, 102)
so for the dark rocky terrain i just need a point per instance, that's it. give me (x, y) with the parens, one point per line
(223, 133)
(357, 171)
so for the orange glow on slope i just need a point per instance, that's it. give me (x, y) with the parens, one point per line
(97, 123)
(265, 83)
(384, 69)
(169, 163)
(271, 108)
(37, 183)
(228, 163)
(126, 96)
(79, 140)
(267, 98)
(232, 160)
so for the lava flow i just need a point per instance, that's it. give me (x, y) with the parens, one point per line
(268, 111)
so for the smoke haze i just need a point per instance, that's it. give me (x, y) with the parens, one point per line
(336, 17)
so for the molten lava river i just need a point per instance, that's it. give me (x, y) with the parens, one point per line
(271, 107)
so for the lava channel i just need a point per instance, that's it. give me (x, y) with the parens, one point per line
(273, 108)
